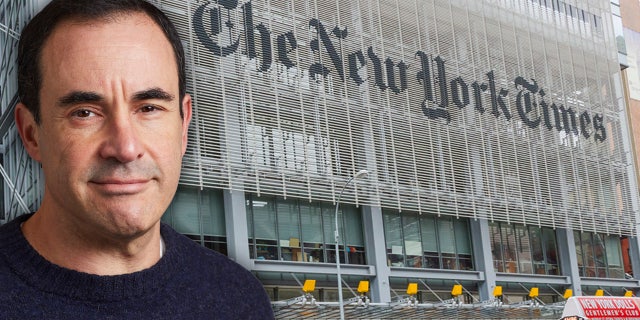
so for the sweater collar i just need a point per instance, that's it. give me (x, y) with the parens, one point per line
(36, 271)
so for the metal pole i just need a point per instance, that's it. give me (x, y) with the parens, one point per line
(337, 234)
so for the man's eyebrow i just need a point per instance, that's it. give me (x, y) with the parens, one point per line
(76, 97)
(153, 94)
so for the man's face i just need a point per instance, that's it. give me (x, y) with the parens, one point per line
(111, 138)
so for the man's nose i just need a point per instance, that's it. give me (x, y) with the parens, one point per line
(121, 141)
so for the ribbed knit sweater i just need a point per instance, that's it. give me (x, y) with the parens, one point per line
(188, 282)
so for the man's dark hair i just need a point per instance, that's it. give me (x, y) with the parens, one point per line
(36, 33)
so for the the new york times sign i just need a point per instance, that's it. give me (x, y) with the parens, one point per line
(440, 92)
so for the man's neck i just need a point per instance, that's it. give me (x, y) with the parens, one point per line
(97, 254)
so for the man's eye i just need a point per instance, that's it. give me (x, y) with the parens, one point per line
(83, 113)
(148, 108)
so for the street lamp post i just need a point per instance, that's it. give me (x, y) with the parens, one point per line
(358, 175)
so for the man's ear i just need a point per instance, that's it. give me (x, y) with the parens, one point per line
(186, 119)
(28, 130)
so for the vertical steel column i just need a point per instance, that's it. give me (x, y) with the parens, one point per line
(482, 257)
(376, 253)
(569, 259)
(235, 216)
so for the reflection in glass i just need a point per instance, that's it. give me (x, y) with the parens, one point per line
(298, 230)
(524, 249)
(426, 241)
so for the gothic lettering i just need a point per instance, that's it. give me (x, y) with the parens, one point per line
(213, 22)
(496, 98)
(524, 102)
(477, 97)
(377, 69)
(441, 80)
(391, 79)
(546, 116)
(284, 49)
(329, 48)
(459, 88)
(598, 125)
(216, 29)
(585, 122)
(424, 78)
(565, 118)
(356, 63)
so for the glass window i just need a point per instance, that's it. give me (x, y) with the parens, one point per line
(182, 214)
(619, 31)
(312, 235)
(264, 228)
(329, 222)
(599, 255)
(353, 237)
(288, 224)
(248, 209)
(537, 252)
(212, 213)
(298, 230)
(264, 215)
(353, 221)
(311, 220)
(509, 248)
(446, 235)
(523, 249)
(426, 241)
(614, 257)
(328, 218)
(587, 254)
(212, 220)
(577, 240)
(447, 241)
(496, 246)
(199, 214)
(430, 242)
(463, 241)
(289, 230)
(393, 238)
(549, 244)
(412, 243)
(463, 244)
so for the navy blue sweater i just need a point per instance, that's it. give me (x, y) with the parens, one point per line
(189, 282)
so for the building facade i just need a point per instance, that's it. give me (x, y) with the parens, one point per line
(495, 134)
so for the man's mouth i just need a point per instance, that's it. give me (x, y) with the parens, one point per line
(120, 186)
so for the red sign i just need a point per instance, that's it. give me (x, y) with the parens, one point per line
(609, 307)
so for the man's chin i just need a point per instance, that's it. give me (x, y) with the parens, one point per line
(132, 224)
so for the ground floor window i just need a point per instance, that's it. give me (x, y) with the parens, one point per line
(299, 230)
(427, 241)
(518, 248)
(199, 214)
(599, 255)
